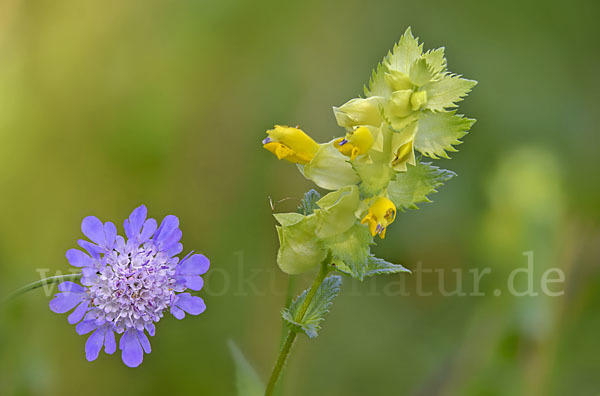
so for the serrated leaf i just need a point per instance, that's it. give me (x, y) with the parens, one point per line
(352, 248)
(447, 91)
(310, 324)
(405, 53)
(247, 381)
(377, 266)
(377, 85)
(421, 73)
(373, 266)
(413, 186)
(308, 204)
(439, 132)
(436, 60)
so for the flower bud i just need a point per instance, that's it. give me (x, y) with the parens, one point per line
(359, 111)
(398, 81)
(418, 100)
(399, 104)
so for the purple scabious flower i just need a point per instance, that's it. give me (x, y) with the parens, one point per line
(127, 285)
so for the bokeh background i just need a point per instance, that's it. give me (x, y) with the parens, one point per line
(108, 104)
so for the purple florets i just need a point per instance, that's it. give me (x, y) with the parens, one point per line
(127, 285)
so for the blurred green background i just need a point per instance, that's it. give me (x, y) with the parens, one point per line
(106, 105)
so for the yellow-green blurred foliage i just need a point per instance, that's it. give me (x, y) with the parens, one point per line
(105, 105)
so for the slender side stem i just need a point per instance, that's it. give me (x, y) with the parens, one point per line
(46, 281)
(289, 341)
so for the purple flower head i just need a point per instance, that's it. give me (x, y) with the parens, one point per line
(129, 284)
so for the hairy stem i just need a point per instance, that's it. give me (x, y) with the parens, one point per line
(44, 282)
(291, 336)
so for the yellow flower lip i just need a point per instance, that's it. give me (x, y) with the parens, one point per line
(355, 143)
(291, 144)
(381, 214)
(403, 153)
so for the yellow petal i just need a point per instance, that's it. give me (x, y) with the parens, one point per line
(380, 215)
(291, 144)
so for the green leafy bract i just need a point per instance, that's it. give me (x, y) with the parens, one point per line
(377, 84)
(421, 73)
(405, 53)
(436, 60)
(438, 132)
(447, 91)
(413, 186)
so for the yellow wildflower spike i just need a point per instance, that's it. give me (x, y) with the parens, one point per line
(356, 142)
(381, 214)
(291, 144)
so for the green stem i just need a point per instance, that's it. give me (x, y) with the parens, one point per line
(284, 329)
(288, 300)
(289, 341)
(35, 285)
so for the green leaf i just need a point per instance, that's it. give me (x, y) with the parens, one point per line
(352, 248)
(377, 84)
(373, 266)
(309, 202)
(310, 324)
(421, 73)
(405, 53)
(438, 132)
(299, 250)
(377, 266)
(447, 91)
(246, 380)
(436, 60)
(413, 186)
